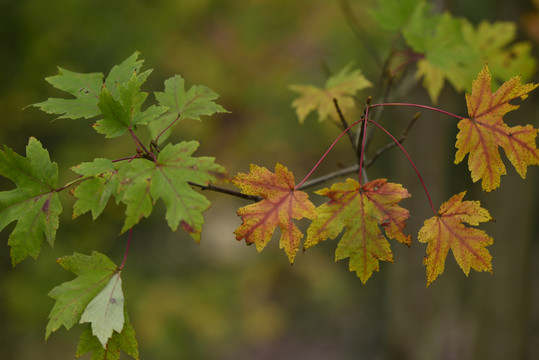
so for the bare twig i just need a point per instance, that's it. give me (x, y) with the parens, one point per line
(393, 144)
(319, 180)
(226, 191)
(345, 126)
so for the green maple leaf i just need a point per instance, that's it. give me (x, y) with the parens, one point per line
(106, 310)
(191, 104)
(394, 14)
(118, 99)
(454, 50)
(93, 274)
(34, 204)
(124, 341)
(84, 87)
(94, 193)
(341, 86)
(125, 112)
(143, 182)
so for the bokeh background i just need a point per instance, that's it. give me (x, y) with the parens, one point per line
(221, 299)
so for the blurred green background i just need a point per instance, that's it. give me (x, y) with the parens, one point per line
(220, 299)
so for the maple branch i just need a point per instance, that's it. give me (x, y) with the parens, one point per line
(353, 168)
(345, 126)
(362, 139)
(411, 162)
(139, 143)
(393, 144)
(335, 174)
(226, 191)
(327, 152)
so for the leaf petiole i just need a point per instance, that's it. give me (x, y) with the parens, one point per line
(419, 106)
(410, 160)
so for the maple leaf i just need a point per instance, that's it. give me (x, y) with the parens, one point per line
(341, 86)
(94, 193)
(197, 101)
(124, 112)
(281, 203)
(364, 211)
(72, 297)
(118, 99)
(106, 310)
(124, 341)
(34, 204)
(454, 50)
(446, 231)
(142, 182)
(482, 134)
(394, 14)
(84, 87)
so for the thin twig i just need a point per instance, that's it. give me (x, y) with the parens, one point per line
(392, 144)
(345, 126)
(226, 191)
(335, 174)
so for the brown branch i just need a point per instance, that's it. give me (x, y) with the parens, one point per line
(393, 144)
(226, 191)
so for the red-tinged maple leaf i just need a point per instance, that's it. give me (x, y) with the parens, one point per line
(364, 211)
(280, 204)
(484, 131)
(446, 231)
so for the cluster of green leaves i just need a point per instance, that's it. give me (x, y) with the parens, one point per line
(368, 214)
(452, 49)
(153, 172)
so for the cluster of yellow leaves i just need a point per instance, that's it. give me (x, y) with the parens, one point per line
(369, 215)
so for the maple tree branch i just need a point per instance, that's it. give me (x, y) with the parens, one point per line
(226, 191)
(345, 126)
(411, 162)
(326, 153)
(139, 143)
(335, 174)
(353, 168)
(392, 144)
(363, 139)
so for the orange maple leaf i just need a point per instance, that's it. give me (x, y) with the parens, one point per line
(281, 203)
(446, 231)
(484, 131)
(364, 211)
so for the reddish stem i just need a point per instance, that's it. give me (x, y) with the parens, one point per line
(139, 143)
(326, 153)
(363, 142)
(419, 106)
(127, 248)
(411, 162)
(165, 129)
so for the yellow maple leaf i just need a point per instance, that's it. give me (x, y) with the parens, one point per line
(281, 203)
(446, 231)
(482, 134)
(342, 87)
